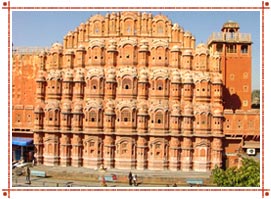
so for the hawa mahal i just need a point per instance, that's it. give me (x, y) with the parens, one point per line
(130, 90)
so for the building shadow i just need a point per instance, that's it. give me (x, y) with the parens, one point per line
(231, 101)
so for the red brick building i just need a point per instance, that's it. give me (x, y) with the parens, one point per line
(131, 90)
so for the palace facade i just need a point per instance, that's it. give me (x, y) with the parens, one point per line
(130, 90)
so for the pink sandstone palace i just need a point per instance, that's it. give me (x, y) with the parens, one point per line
(130, 90)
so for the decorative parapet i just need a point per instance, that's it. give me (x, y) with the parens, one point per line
(228, 37)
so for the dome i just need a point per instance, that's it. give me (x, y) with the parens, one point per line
(143, 48)
(175, 26)
(188, 79)
(78, 108)
(230, 24)
(175, 49)
(66, 108)
(109, 109)
(143, 109)
(176, 110)
(187, 34)
(79, 76)
(217, 80)
(188, 110)
(68, 76)
(40, 77)
(81, 48)
(42, 53)
(187, 53)
(38, 109)
(111, 76)
(112, 45)
(112, 48)
(56, 47)
(143, 76)
(218, 113)
(69, 52)
(176, 77)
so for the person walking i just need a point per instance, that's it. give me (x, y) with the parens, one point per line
(27, 176)
(130, 178)
(135, 180)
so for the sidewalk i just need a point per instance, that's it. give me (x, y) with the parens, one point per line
(60, 176)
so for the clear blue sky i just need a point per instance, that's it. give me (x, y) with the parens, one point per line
(43, 28)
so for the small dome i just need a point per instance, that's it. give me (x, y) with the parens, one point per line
(79, 76)
(217, 80)
(176, 111)
(176, 78)
(69, 33)
(218, 113)
(188, 79)
(56, 47)
(109, 109)
(143, 76)
(143, 48)
(68, 76)
(175, 49)
(40, 77)
(111, 75)
(81, 48)
(187, 53)
(42, 53)
(112, 45)
(143, 109)
(78, 108)
(69, 52)
(187, 34)
(188, 110)
(38, 109)
(66, 108)
(231, 24)
(175, 26)
(112, 48)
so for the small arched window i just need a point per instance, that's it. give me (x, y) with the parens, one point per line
(159, 85)
(93, 116)
(94, 84)
(125, 116)
(126, 83)
(159, 118)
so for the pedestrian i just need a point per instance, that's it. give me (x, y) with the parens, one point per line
(27, 175)
(33, 162)
(130, 178)
(135, 180)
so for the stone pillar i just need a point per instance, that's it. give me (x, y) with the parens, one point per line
(125, 153)
(143, 54)
(175, 120)
(174, 154)
(216, 154)
(186, 155)
(38, 143)
(40, 89)
(39, 116)
(51, 149)
(112, 53)
(109, 149)
(175, 61)
(65, 150)
(142, 146)
(76, 150)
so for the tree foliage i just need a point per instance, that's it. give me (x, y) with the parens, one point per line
(248, 175)
(255, 94)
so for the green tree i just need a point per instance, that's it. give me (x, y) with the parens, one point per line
(248, 175)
